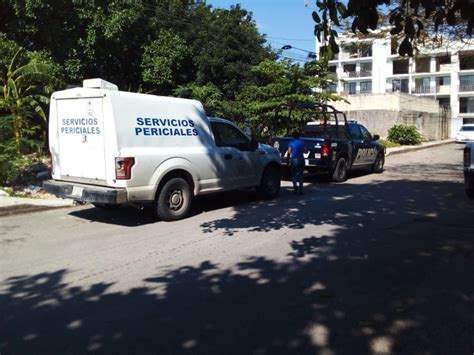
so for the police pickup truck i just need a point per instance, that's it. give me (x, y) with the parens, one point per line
(110, 147)
(333, 145)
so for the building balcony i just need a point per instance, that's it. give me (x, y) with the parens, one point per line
(424, 90)
(443, 89)
(356, 74)
(468, 87)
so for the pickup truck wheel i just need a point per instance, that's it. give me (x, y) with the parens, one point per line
(270, 183)
(340, 171)
(173, 200)
(378, 164)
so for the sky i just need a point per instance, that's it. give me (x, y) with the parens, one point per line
(284, 22)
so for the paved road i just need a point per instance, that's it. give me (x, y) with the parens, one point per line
(382, 264)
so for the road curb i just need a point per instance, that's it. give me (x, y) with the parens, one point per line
(17, 209)
(401, 150)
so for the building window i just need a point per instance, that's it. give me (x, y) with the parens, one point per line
(350, 69)
(400, 66)
(466, 83)
(365, 69)
(466, 105)
(366, 87)
(466, 60)
(332, 88)
(350, 88)
(444, 102)
(422, 64)
(422, 86)
(443, 63)
(400, 85)
(443, 81)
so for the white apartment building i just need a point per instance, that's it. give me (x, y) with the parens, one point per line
(372, 66)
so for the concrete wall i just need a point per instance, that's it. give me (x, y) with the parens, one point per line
(431, 126)
(380, 112)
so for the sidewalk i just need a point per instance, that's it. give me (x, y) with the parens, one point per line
(411, 148)
(18, 205)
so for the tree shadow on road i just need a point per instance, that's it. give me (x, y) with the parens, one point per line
(394, 276)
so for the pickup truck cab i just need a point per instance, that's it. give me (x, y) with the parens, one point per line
(110, 147)
(333, 145)
(469, 169)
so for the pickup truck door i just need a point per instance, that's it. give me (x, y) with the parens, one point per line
(233, 147)
(358, 144)
(369, 150)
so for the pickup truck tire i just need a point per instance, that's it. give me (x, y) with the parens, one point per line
(173, 200)
(378, 164)
(339, 173)
(269, 183)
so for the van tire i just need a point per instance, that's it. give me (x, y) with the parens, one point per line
(269, 183)
(339, 174)
(173, 200)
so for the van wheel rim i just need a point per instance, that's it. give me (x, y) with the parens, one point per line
(176, 200)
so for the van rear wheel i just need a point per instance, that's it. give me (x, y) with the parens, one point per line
(174, 200)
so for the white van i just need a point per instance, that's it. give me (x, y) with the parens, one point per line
(110, 147)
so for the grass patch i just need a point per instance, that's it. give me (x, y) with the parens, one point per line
(389, 144)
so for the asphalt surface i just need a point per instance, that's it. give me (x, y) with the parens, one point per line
(381, 264)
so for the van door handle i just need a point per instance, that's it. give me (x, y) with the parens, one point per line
(227, 156)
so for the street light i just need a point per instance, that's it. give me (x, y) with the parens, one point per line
(310, 54)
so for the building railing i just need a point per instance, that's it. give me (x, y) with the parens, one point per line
(424, 90)
(356, 74)
(397, 90)
(466, 87)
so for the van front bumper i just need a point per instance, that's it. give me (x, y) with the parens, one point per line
(86, 193)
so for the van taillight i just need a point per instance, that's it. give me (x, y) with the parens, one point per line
(467, 156)
(325, 150)
(123, 168)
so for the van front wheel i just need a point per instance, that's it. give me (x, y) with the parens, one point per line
(173, 200)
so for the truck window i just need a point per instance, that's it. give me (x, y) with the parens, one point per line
(365, 133)
(229, 136)
(317, 130)
(355, 131)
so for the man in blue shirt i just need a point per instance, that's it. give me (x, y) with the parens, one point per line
(295, 153)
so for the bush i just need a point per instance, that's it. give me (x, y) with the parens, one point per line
(404, 135)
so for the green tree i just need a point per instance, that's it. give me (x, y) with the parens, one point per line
(276, 84)
(163, 61)
(407, 17)
(22, 96)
